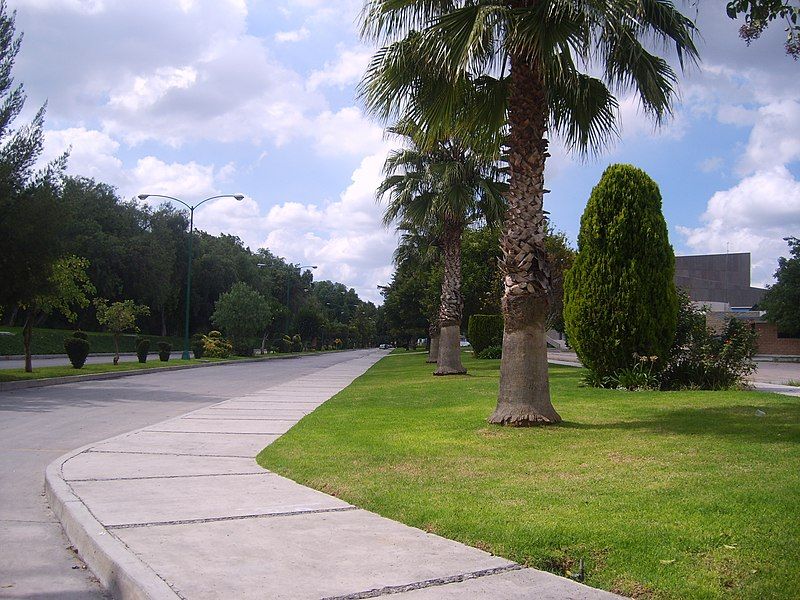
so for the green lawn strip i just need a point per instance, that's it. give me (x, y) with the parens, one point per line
(664, 495)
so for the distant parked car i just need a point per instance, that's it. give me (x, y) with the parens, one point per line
(384, 346)
(463, 342)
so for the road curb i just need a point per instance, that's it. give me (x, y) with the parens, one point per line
(119, 571)
(7, 386)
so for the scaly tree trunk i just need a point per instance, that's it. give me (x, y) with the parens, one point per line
(27, 333)
(452, 303)
(116, 348)
(433, 336)
(524, 397)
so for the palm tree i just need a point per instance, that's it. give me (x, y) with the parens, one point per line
(419, 246)
(443, 190)
(528, 68)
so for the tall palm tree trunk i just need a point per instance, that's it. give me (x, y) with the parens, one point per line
(524, 397)
(433, 335)
(452, 302)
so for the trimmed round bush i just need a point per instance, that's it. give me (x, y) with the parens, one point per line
(620, 300)
(81, 335)
(142, 348)
(484, 331)
(196, 343)
(164, 349)
(77, 350)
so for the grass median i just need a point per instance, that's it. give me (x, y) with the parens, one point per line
(94, 369)
(663, 495)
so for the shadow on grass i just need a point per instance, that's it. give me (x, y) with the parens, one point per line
(779, 424)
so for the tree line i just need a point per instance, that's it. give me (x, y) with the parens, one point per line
(67, 240)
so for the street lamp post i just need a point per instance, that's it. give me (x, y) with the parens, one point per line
(289, 289)
(238, 197)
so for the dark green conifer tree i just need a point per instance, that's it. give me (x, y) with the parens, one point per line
(619, 296)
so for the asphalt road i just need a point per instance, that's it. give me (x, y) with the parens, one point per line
(40, 424)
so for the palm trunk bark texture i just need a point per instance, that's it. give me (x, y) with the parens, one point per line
(452, 302)
(524, 397)
(433, 351)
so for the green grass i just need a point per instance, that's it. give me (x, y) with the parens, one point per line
(664, 495)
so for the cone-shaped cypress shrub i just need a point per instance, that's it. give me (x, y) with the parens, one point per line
(619, 295)
(77, 348)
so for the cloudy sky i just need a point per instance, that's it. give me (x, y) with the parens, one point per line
(193, 98)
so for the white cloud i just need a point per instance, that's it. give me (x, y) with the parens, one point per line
(753, 216)
(295, 35)
(344, 237)
(347, 69)
(91, 153)
(775, 137)
(346, 131)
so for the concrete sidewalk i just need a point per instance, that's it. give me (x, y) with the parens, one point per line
(181, 510)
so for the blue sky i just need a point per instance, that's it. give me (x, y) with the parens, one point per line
(192, 98)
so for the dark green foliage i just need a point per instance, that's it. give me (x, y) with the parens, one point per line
(142, 348)
(196, 343)
(484, 331)
(51, 341)
(699, 359)
(782, 300)
(619, 297)
(77, 349)
(490, 352)
(164, 349)
(80, 334)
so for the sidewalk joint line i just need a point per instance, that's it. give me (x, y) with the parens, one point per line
(168, 453)
(214, 432)
(263, 472)
(232, 518)
(418, 585)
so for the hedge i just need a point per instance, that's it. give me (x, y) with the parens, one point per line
(51, 341)
(484, 331)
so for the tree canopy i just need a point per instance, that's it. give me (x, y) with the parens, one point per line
(782, 300)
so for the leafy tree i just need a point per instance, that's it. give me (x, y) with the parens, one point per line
(69, 286)
(560, 256)
(518, 71)
(442, 189)
(620, 297)
(119, 317)
(782, 300)
(758, 14)
(29, 210)
(242, 314)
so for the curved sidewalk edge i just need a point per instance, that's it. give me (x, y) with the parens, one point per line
(180, 509)
(119, 571)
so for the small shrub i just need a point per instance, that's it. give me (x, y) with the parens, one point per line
(77, 349)
(643, 375)
(593, 379)
(700, 359)
(164, 349)
(216, 346)
(297, 343)
(491, 352)
(196, 343)
(81, 335)
(484, 331)
(142, 347)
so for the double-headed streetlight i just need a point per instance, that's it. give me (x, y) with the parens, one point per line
(238, 197)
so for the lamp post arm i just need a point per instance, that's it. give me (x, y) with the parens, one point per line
(215, 197)
(167, 197)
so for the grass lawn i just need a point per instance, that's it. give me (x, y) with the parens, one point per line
(664, 495)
